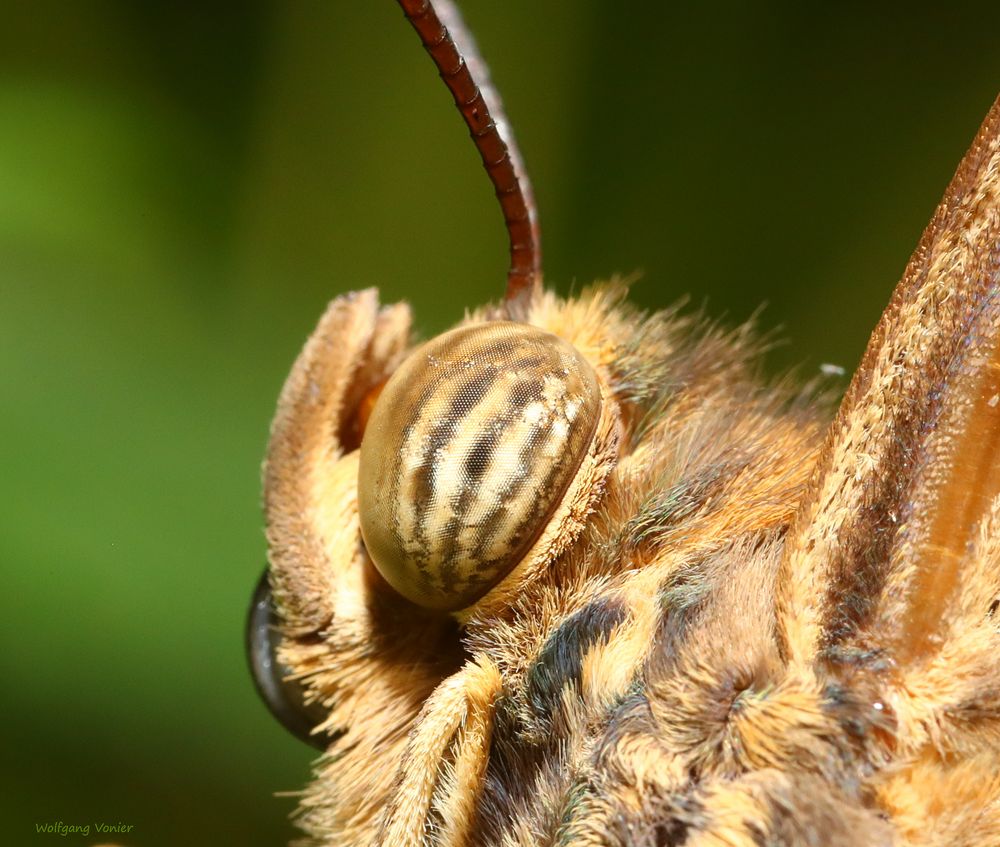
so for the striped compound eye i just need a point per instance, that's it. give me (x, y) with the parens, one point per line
(467, 453)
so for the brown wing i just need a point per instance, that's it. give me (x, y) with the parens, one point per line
(909, 470)
(892, 574)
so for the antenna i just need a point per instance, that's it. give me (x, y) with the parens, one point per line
(463, 70)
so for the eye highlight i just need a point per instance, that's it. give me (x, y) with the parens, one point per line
(467, 452)
(282, 696)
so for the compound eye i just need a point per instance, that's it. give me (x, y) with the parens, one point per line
(283, 697)
(468, 452)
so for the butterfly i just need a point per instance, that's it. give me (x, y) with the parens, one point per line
(573, 573)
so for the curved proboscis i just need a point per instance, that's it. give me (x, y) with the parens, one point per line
(454, 51)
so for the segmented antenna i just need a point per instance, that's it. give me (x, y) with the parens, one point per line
(454, 51)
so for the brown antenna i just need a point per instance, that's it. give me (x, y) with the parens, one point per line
(454, 51)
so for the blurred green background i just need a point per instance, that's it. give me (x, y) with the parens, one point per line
(182, 188)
